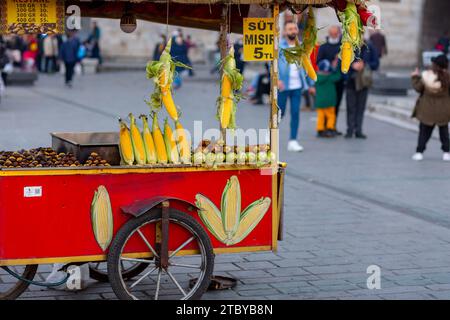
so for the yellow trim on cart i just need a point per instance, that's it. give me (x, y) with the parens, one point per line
(120, 170)
(138, 255)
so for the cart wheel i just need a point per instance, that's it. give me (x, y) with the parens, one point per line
(99, 272)
(159, 283)
(12, 288)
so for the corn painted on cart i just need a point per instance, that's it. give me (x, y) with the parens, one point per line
(165, 221)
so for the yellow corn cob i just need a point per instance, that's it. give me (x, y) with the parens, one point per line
(125, 144)
(136, 140)
(149, 145)
(346, 56)
(307, 65)
(226, 86)
(225, 112)
(353, 30)
(169, 104)
(231, 206)
(101, 217)
(184, 145)
(171, 145)
(250, 218)
(210, 216)
(159, 141)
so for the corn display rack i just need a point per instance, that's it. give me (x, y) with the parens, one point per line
(142, 221)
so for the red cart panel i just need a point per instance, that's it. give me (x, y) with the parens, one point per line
(45, 215)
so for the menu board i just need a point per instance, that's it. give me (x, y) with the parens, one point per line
(31, 16)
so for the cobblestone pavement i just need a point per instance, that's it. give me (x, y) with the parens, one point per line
(349, 204)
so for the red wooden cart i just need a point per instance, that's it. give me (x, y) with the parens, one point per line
(167, 222)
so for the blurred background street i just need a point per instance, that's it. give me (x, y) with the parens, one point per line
(349, 203)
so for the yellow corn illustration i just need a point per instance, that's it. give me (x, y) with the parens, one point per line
(184, 145)
(231, 206)
(159, 141)
(250, 218)
(125, 144)
(136, 140)
(149, 145)
(171, 145)
(102, 218)
(228, 225)
(210, 216)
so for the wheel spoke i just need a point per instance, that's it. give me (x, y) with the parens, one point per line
(142, 278)
(182, 246)
(185, 265)
(136, 260)
(122, 266)
(97, 265)
(147, 243)
(176, 283)
(158, 284)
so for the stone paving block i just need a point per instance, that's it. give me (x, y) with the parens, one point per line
(262, 257)
(280, 272)
(257, 293)
(255, 265)
(443, 295)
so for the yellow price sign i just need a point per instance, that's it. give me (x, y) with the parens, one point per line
(31, 16)
(258, 39)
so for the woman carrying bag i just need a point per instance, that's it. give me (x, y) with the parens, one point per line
(433, 105)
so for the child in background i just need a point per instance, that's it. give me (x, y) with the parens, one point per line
(326, 97)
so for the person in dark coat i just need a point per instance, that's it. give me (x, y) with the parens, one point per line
(357, 97)
(69, 55)
(433, 105)
(329, 51)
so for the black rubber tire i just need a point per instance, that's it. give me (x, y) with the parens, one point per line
(20, 286)
(127, 275)
(153, 215)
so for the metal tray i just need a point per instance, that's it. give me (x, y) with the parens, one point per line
(82, 144)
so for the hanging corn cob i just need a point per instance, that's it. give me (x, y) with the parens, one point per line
(125, 144)
(184, 145)
(149, 145)
(162, 73)
(158, 139)
(301, 54)
(136, 141)
(352, 35)
(102, 218)
(171, 145)
(232, 81)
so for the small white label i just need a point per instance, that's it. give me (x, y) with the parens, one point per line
(30, 192)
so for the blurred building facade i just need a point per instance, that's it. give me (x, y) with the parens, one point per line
(410, 27)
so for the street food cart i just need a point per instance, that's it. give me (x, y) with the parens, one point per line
(165, 221)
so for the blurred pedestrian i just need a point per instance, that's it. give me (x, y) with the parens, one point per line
(94, 40)
(50, 48)
(329, 51)
(359, 80)
(239, 55)
(433, 105)
(326, 98)
(292, 82)
(189, 45)
(378, 40)
(69, 55)
(443, 43)
(159, 48)
(179, 52)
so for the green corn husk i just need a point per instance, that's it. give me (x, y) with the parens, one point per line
(210, 216)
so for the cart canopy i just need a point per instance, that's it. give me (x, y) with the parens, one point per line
(205, 14)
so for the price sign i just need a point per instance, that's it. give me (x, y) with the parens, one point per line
(31, 16)
(258, 39)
